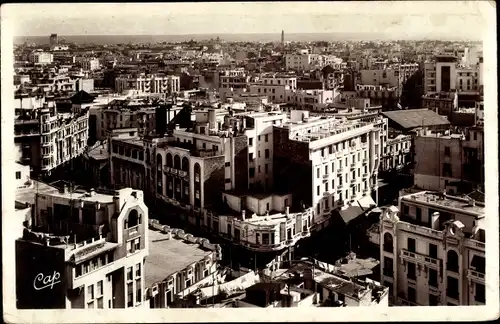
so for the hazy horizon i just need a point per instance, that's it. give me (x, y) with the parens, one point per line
(396, 20)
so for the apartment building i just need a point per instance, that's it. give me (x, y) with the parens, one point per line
(131, 113)
(453, 161)
(275, 93)
(84, 250)
(46, 139)
(397, 153)
(314, 100)
(387, 97)
(262, 223)
(259, 132)
(432, 250)
(177, 265)
(41, 58)
(148, 83)
(231, 82)
(91, 64)
(329, 163)
(278, 79)
(390, 78)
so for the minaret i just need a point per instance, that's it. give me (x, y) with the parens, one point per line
(282, 38)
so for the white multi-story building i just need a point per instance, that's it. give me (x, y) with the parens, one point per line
(329, 162)
(432, 250)
(297, 62)
(46, 138)
(148, 83)
(314, 100)
(90, 64)
(260, 147)
(41, 58)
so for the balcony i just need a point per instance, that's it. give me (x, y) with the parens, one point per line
(365, 161)
(365, 175)
(420, 258)
(339, 170)
(326, 176)
(46, 144)
(476, 276)
(353, 166)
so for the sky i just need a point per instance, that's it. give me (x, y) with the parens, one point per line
(413, 18)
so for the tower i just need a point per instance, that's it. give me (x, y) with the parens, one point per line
(53, 39)
(282, 38)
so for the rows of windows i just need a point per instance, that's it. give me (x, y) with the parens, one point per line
(93, 264)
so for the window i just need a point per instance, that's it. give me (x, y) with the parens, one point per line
(99, 288)
(250, 156)
(452, 261)
(433, 300)
(447, 151)
(433, 278)
(250, 141)
(452, 288)
(411, 245)
(138, 294)
(251, 172)
(419, 214)
(18, 175)
(137, 270)
(129, 273)
(317, 190)
(130, 295)
(257, 238)
(412, 273)
(266, 168)
(100, 303)
(265, 238)
(227, 164)
(90, 305)
(266, 137)
(266, 154)
(388, 267)
(433, 250)
(412, 295)
(90, 292)
(480, 295)
(406, 210)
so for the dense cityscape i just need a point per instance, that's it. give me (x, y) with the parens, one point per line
(220, 174)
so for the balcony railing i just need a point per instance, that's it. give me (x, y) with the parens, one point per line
(419, 258)
(339, 170)
(475, 275)
(325, 176)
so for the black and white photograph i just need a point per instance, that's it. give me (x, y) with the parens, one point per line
(321, 156)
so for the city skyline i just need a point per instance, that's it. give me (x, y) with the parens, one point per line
(397, 20)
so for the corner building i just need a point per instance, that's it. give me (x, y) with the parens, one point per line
(84, 250)
(433, 251)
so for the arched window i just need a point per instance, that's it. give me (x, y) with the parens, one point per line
(170, 162)
(452, 261)
(177, 162)
(388, 243)
(133, 219)
(159, 161)
(185, 164)
(197, 171)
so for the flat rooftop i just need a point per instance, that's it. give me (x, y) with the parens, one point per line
(168, 256)
(434, 198)
(27, 195)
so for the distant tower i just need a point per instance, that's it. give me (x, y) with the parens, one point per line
(282, 38)
(53, 39)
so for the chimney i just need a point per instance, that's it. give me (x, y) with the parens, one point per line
(92, 192)
(116, 201)
(65, 189)
(471, 202)
(243, 215)
(287, 211)
(435, 221)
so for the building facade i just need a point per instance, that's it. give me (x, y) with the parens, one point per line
(433, 251)
(148, 83)
(327, 162)
(84, 250)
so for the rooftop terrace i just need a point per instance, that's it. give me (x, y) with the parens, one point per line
(168, 255)
(447, 201)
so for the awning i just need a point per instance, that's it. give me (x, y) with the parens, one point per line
(367, 203)
(350, 213)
